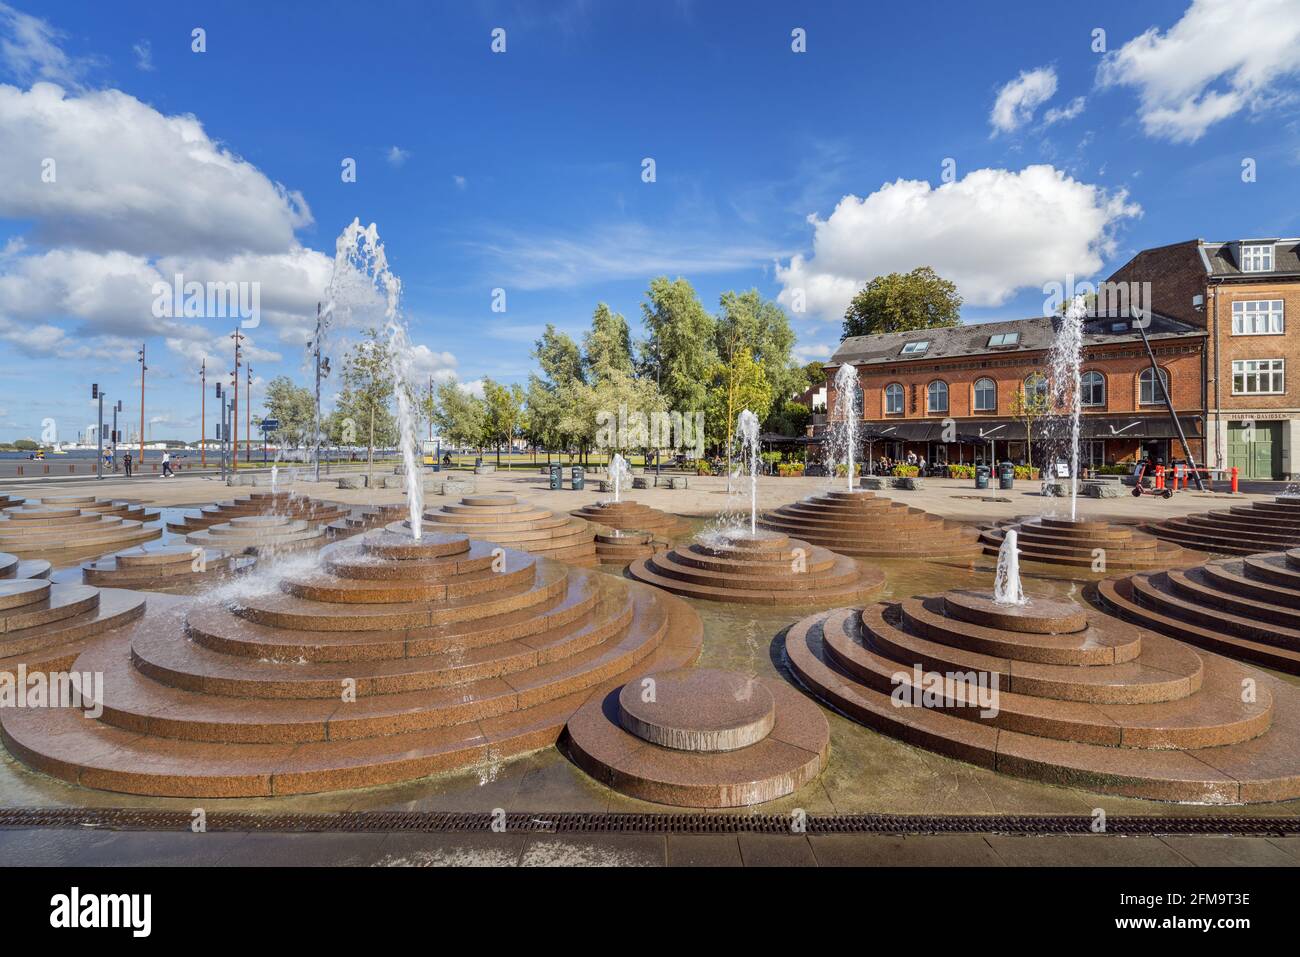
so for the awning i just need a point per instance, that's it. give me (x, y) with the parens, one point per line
(1139, 427)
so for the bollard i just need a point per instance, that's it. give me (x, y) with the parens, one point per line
(1234, 480)
(1160, 477)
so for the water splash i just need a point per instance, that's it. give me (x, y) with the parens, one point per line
(1007, 589)
(618, 472)
(747, 432)
(842, 430)
(1066, 358)
(362, 281)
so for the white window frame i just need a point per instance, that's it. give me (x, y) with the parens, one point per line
(902, 399)
(929, 391)
(1259, 317)
(1004, 339)
(1157, 397)
(1083, 386)
(1256, 257)
(1273, 370)
(976, 397)
(915, 348)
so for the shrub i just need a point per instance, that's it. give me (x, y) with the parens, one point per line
(961, 471)
(790, 469)
(905, 471)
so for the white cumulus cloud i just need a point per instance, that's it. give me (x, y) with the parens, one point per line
(1017, 100)
(1223, 56)
(992, 233)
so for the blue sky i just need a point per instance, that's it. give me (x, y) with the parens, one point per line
(522, 170)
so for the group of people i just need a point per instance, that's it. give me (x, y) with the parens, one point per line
(128, 462)
(886, 464)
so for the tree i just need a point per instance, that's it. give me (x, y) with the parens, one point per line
(367, 389)
(460, 416)
(791, 418)
(607, 346)
(815, 372)
(680, 351)
(1029, 409)
(737, 385)
(748, 321)
(504, 405)
(293, 406)
(901, 302)
(559, 357)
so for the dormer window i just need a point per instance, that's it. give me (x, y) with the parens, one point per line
(1257, 257)
(915, 348)
(1119, 327)
(1004, 339)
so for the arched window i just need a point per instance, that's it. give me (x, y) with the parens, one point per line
(1036, 388)
(893, 399)
(1092, 389)
(986, 395)
(936, 396)
(1148, 394)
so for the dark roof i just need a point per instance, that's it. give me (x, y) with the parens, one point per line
(1036, 335)
(1224, 259)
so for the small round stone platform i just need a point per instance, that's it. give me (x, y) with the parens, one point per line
(638, 531)
(1237, 530)
(764, 568)
(13, 568)
(1079, 546)
(865, 525)
(1246, 608)
(166, 568)
(262, 535)
(1106, 707)
(286, 504)
(700, 738)
(44, 626)
(69, 527)
(505, 520)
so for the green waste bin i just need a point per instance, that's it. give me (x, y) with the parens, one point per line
(1006, 475)
(557, 478)
(982, 476)
(577, 478)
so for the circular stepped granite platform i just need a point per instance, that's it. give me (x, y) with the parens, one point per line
(635, 530)
(766, 568)
(67, 527)
(1246, 608)
(866, 525)
(396, 660)
(505, 520)
(365, 518)
(44, 626)
(165, 568)
(1109, 708)
(1080, 544)
(1237, 530)
(13, 568)
(262, 535)
(707, 738)
(287, 504)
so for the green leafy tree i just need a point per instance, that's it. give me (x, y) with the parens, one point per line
(1028, 406)
(791, 418)
(460, 417)
(607, 346)
(293, 406)
(504, 407)
(815, 373)
(559, 357)
(736, 385)
(900, 302)
(679, 351)
(368, 383)
(760, 326)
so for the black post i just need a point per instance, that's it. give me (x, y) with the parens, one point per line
(1169, 403)
(99, 433)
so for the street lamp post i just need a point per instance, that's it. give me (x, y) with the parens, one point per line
(117, 407)
(99, 432)
(203, 413)
(143, 369)
(221, 432)
(248, 412)
(234, 421)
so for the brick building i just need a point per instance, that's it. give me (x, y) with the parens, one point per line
(949, 394)
(1242, 293)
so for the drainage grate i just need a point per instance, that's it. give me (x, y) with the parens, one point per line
(568, 822)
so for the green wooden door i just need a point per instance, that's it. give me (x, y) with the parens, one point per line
(1255, 452)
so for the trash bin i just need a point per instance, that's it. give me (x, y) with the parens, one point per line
(557, 478)
(982, 476)
(1006, 475)
(577, 477)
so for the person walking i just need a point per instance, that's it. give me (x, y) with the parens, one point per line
(126, 463)
(167, 466)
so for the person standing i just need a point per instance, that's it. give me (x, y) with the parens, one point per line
(126, 463)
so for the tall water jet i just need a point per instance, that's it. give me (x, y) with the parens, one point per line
(618, 471)
(362, 280)
(747, 430)
(844, 420)
(1066, 358)
(1007, 589)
